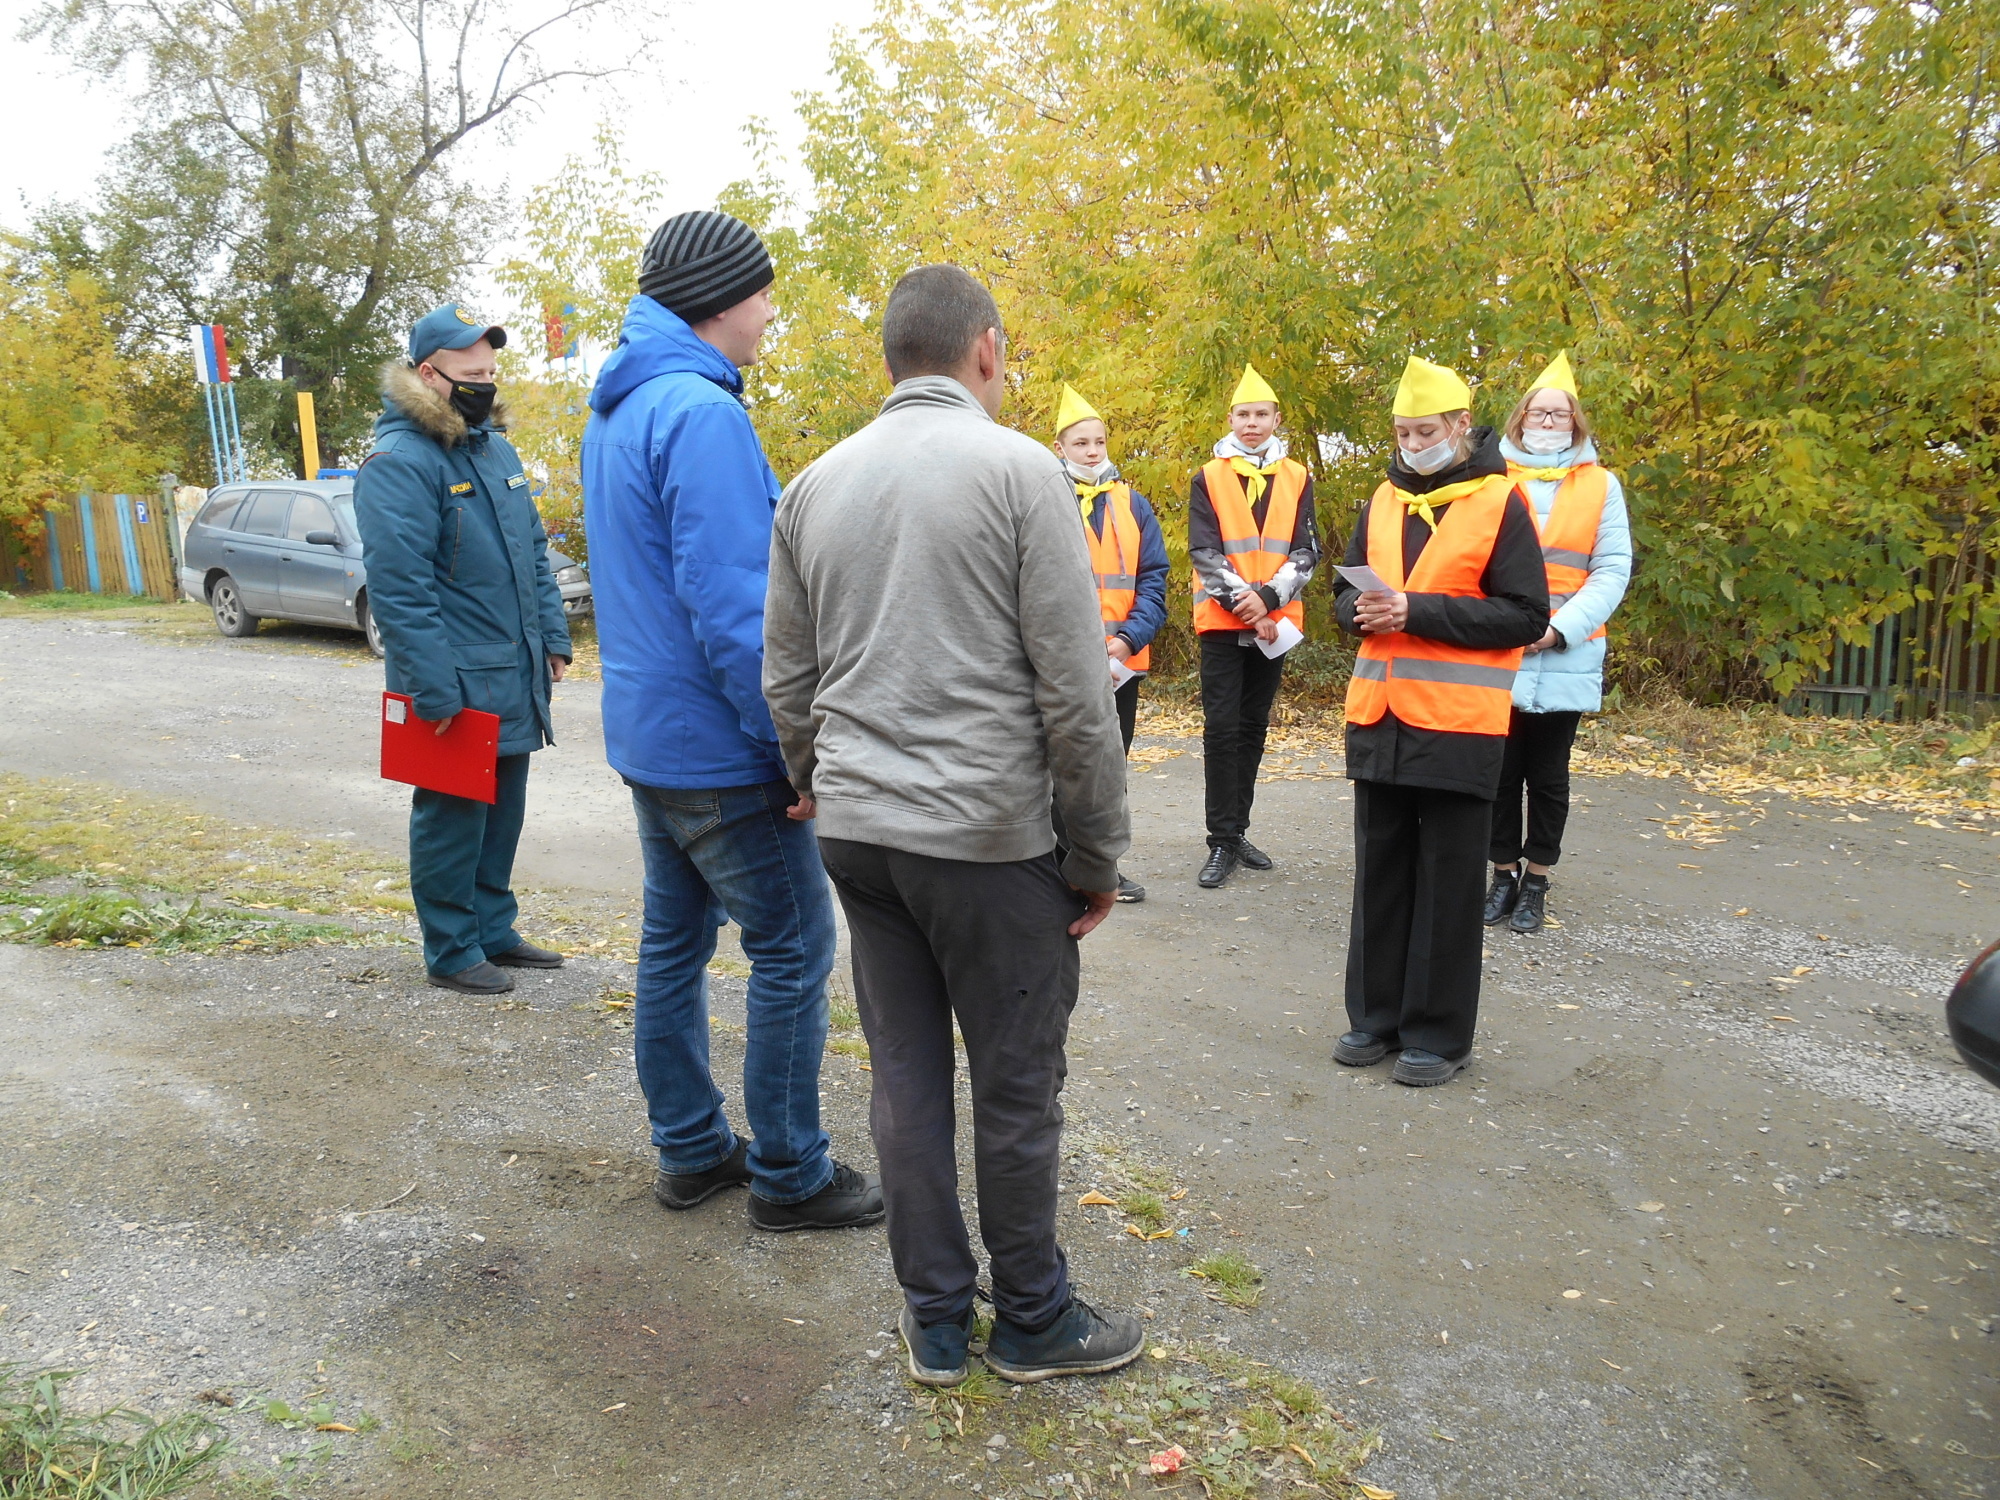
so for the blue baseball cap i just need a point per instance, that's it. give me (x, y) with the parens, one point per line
(451, 327)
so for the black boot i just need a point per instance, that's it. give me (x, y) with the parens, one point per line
(849, 1201)
(1532, 909)
(1251, 857)
(1501, 896)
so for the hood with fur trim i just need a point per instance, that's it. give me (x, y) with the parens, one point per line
(405, 394)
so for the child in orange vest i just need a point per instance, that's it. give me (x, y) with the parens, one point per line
(1253, 546)
(1127, 553)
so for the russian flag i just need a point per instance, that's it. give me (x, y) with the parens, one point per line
(211, 354)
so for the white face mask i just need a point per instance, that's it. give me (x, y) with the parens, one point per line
(1546, 439)
(1430, 460)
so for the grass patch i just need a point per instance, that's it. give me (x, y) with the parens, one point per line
(47, 1453)
(70, 600)
(1244, 1430)
(103, 836)
(1230, 1278)
(843, 1023)
(110, 920)
(1147, 1210)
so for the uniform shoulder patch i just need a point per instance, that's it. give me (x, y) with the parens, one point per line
(517, 481)
(463, 487)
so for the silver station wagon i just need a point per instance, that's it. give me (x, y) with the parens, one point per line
(290, 550)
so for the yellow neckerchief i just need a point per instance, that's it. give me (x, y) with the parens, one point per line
(1555, 474)
(1444, 494)
(1253, 476)
(1085, 493)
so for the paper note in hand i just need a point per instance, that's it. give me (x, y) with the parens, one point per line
(1289, 635)
(1120, 673)
(1366, 579)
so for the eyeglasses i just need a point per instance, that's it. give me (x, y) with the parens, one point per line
(1535, 417)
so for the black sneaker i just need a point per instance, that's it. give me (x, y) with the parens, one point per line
(935, 1352)
(1251, 857)
(1130, 890)
(1422, 1070)
(1360, 1049)
(1082, 1341)
(1501, 896)
(851, 1200)
(527, 956)
(1222, 861)
(480, 979)
(686, 1189)
(1532, 909)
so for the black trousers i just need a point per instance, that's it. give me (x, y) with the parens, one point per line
(1419, 884)
(987, 945)
(1537, 760)
(1238, 685)
(1127, 700)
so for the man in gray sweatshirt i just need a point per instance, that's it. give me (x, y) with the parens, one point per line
(934, 663)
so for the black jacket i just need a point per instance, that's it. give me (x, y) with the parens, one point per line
(1515, 612)
(1211, 564)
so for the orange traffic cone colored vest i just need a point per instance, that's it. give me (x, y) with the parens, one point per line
(1256, 558)
(1433, 684)
(1114, 558)
(1570, 533)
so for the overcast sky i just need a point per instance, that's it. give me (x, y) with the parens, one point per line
(724, 63)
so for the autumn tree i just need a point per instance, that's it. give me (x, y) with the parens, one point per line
(292, 172)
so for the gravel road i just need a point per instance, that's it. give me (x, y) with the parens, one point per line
(1713, 1214)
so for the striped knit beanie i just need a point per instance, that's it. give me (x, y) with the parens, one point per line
(699, 264)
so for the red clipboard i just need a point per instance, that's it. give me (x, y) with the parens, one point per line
(461, 762)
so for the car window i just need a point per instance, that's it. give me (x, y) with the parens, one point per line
(309, 513)
(221, 510)
(265, 514)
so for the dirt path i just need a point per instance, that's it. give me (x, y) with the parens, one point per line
(1717, 1105)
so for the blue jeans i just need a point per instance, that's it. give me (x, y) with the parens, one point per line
(711, 856)
(462, 869)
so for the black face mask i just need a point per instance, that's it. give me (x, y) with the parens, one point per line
(473, 400)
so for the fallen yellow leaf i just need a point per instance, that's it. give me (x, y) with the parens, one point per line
(1572, 1294)
(1176, 1195)
(1793, 1019)
(335, 1427)
(1096, 1200)
(1561, 1006)
(1650, 1207)
(1370, 1492)
(1802, 969)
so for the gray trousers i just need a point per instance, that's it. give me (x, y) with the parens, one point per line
(987, 944)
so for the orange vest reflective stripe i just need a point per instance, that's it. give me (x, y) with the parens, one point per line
(1256, 558)
(1569, 535)
(1433, 684)
(1114, 558)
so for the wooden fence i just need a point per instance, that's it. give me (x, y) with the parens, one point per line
(1928, 661)
(99, 544)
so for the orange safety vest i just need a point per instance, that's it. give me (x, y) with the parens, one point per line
(1256, 558)
(1114, 558)
(1569, 535)
(1433, 684)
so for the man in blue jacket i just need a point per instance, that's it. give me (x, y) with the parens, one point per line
(678, 502)
(459, 582)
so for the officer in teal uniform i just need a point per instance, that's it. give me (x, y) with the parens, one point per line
(459, 582)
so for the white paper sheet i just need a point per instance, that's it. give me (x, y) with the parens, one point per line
(1120, 673)
(1365, 578)
(1289, 635)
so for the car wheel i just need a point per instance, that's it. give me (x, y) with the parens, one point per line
(231, 618)
(371, 632)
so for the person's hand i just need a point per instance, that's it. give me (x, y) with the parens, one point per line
(557, 666)
(1249, 607)
(1544, 643)
(803, 811)
(1118, 648)
(1382, 613)
(443, 725)
(1267, 630)
(1096, 907)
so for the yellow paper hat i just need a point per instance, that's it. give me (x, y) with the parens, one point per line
(1557, 377)
(1253, 387)
(1073, 409)
(1429, 389)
